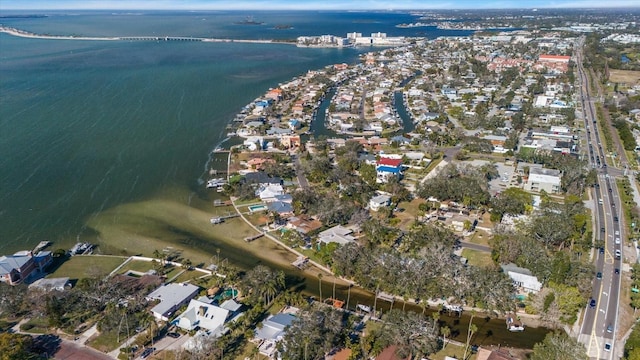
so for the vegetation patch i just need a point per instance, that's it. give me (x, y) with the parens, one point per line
(624, 76)
(87, 266)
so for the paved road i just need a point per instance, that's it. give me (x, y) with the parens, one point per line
(473, 246)
(600, 321)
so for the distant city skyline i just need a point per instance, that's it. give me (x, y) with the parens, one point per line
(258, 5)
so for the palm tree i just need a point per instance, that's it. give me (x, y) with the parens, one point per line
(446, 332)
(470, 331)
(320, 285)
(158, 255)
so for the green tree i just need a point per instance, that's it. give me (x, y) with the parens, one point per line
(16, 347)
(559, 346)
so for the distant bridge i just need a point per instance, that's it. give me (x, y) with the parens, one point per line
(160, 38)
(26, 34)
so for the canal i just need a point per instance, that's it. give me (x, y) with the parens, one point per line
(491, 330)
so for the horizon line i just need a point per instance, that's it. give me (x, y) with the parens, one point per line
(324, 9)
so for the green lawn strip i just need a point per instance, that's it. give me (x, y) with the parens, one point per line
(240, 203)
(477, 258)
(628, 204)
(87, 266)
(36, 325)
(604, 128)
(189, 275)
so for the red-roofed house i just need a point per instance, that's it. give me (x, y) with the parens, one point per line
(388, 167)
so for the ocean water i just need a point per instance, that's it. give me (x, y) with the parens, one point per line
(87, 126)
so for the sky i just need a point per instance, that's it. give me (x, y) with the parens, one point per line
(305, 4)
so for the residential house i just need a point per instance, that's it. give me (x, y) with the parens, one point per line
(202, 315)
(387, 168)
(283, 209)
(304, 224)
(17, 268)
(337, 234)
(261, 178)
(379, 201)
(171, 297)
(272, 331)
(269, 192)
(290, 141)
(522, 278)
(540, 179)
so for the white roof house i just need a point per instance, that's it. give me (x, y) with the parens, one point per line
(172, 297)
(272, 331)
(378, 202)
(336, 234)
(540, 179)
(203, 316)
(522, 278)
(269, 193)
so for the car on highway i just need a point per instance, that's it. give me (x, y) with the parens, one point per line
(618, 254)
(617, 233)
(617, 241)
(592, 303)
(610, 328)
(602, 229)
(615, 218)
(599, 275)
(616, 271)
(601, 250)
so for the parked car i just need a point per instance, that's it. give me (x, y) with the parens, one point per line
(174, 335)
(607, 347)
(148, 351)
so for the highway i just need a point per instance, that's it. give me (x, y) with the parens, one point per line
(600, 323)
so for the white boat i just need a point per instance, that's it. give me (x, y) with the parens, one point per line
(80, 248)
(514, 325)
(215, 183)
(364, 308)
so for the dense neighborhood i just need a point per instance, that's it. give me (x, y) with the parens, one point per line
(451, 184)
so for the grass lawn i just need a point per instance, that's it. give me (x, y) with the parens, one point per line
(477, 258)
(188, 276)
(79, 267)
(35, 325)
(107, 341)
(624, 76)
(479, 237)
(137, 265)
(451, 350)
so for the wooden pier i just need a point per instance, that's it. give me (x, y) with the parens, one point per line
(254, 237)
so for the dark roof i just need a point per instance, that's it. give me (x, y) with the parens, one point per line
(260, 177)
